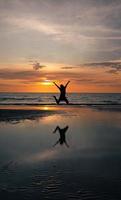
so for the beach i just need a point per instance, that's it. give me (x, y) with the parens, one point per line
(60, 152)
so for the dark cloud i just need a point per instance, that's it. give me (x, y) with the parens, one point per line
(18, 75)
(103, 64)
(114, 67)
(70, 67)
(38, 66)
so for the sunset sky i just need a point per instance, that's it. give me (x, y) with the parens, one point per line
(42, 41)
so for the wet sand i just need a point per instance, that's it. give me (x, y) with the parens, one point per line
(60, 152)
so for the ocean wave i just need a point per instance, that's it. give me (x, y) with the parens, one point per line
(47, 98)
(19, 98)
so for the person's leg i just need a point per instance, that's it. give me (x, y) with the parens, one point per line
(66, 100)
(57, 101)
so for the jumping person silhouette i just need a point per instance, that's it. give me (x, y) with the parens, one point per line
(62, 97)
(62, 132)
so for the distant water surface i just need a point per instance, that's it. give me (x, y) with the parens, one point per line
(45, 98)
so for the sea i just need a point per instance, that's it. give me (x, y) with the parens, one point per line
(47, 98)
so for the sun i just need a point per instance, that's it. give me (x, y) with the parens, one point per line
(47, 82)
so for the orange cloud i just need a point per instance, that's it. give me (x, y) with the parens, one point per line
(85, 78)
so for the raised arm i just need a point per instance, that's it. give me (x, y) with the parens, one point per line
(56, 85)
(57, 128)
(67, 84)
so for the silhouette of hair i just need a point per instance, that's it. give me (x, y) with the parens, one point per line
(61, 86)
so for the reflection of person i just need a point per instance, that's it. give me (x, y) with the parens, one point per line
(62, 89)
(62, 132)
